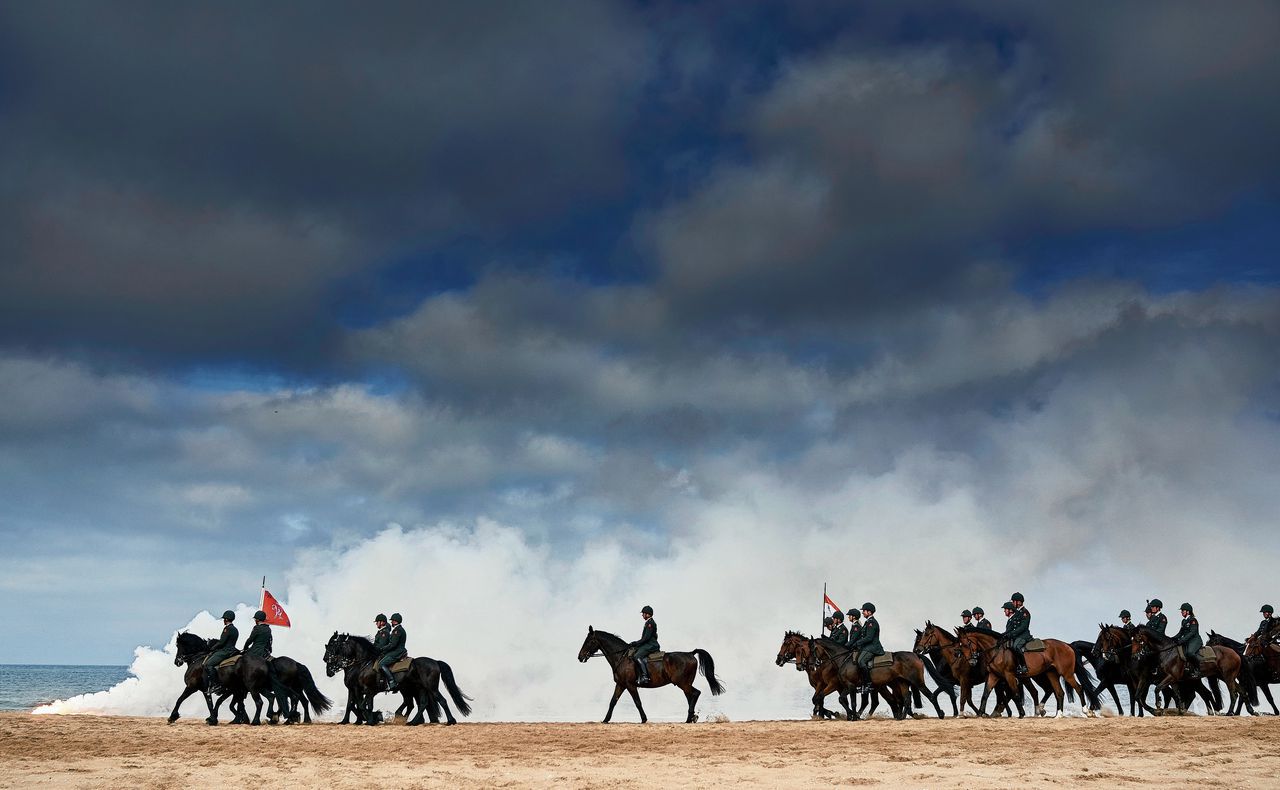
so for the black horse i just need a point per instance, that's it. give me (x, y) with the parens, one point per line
(331, 668)
(678, 669)
(1254, 673)
(301, 688)
(249, 675)
(364, 680)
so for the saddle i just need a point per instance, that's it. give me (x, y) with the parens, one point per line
(1207, 655)
(230, 662)
(882, 660)
(402, 665)
(1034, 646)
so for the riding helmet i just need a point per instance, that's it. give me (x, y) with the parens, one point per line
(978, 611)
(854, 614)
(1187, 606)
(1008, 605)
(1125, 613)
(1267, 609)
(228, 615)
(260, 615)
(966, 613)
(1017, 597)
(869, 607)
(395, 617)
(1155, 603)
(838, 616)
(646, 609)
(380, 618)
(827, 622)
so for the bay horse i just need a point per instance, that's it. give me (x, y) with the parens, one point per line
(1057, 662)
(1262, 657)
(821, 679)
(938, 641)
(1149, 642)
(249, 675)
(1248, 680)
(905, 675)
(678, 669)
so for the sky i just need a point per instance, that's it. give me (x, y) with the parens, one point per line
(522, 316)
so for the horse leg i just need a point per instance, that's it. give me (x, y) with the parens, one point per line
(1055, 681)
(257, 709)
(635, 697)
(617, 692)
(691, 694)
(986, 692)
(187, 692)
(1266, 692)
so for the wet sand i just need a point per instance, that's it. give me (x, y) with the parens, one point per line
(112, 752)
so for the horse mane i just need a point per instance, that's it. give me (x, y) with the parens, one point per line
(190, 643)
(1226, 640)
(789, 634)
(608, 636)
(1158, 638)
(363, 641)
(973, 629)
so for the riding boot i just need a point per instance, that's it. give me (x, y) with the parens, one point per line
(1193, 668)
(391, 678)
(211, 679)
(644, 676)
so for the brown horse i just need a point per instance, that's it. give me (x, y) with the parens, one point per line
(905, 676)
(821, 678)
(1057, 662)
(678, 669)
(1226, 665)
(1263, 657)
(936, 641)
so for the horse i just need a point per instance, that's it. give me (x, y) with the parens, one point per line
(296, 678)
(249, 675)
(1057, 662)
(1262, 658)
(939, 669)
(905, 675)
(1148, 642)
(822, 680)
(1248, 678)
(331, 668)
(937, 641)
(678, 669)
(364, 680)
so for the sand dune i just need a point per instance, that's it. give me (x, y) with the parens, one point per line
(102, 752)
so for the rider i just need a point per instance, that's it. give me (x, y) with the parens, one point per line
(259, 641)
(868, 644)
(223, 649)
(1125, 622)
(838, 631)
(646, 644)
(1017, 629)
(966, 618)
(855, 627)
(1265, 626)
(1189, 638)
(980, 618)
(384, 632)
(1155, 619)
(394, 650)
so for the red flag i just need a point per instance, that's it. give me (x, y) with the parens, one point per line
(834, 607)
(276, 614)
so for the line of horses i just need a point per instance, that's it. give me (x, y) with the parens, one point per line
(1137, 659)
(287, 684)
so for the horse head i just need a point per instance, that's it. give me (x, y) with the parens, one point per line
(188, 646)
(792, 643)
(1110, 639)
(590, 645)
(331, 655)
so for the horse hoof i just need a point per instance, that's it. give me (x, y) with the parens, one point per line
(211, 722)
(172, 719)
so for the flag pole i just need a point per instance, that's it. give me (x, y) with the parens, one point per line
(824, 606)
(262, 597)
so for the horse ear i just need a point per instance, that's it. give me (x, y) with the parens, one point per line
(590, 630)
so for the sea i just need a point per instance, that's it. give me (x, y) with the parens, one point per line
(24, 686)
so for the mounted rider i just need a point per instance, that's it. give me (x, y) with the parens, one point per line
(1155, 619)
(393, 651)
(223, 649)
(1188, 638)
(1017, 629)
(646, 644)
(1264, 627)
(838, 631)
(966, 619)
(980, 618)
(259, 641)
(855, 627)
(1125, 622)
(868, 644)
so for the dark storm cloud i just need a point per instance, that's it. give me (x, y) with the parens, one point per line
(196, 182)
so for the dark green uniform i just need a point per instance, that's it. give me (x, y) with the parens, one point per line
(840, 634)
(868, 645)
(1158, 622)
(1264, 628)
(225, 647)
(395, 649)
(380, 639)
(259, 641)
(982, 623)
(648, 642)
(1189, 635)
(1017, 631)
(855, 631)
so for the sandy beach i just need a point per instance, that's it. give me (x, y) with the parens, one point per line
(111, 752)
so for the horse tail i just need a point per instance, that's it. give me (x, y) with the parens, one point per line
(462, 701)
(938, 680)
(708, 667)
(319, 702)
(1089, 691)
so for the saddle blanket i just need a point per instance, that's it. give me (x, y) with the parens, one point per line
(657, 655)
(230, 662)
(885, 660)
(402, 665)
(1034, 646)
(1207, 654)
